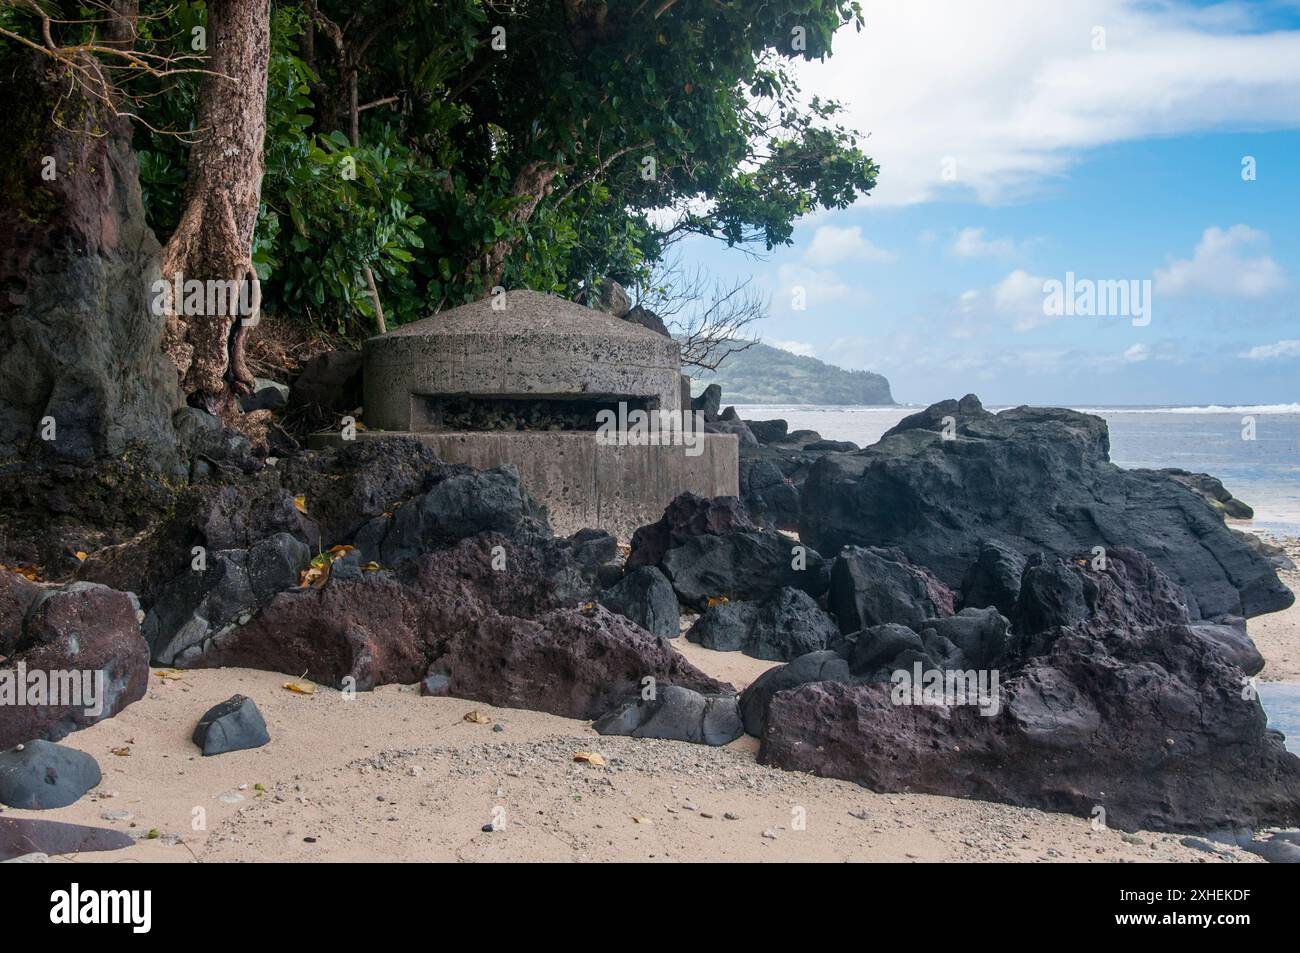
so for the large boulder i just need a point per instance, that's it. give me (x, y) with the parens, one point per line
(1147, 724)
(234, 725)
(823, 666)
(648, 320)
(769, 495)
(785, 625)
(994, 579)
(944, 481)
(645, 597)
(734, 426)
(225, 586)
(1120, 588)
(677, 714)
(457, 506)
(75, 653)
(769, 431)
(872, 586)
(741, 566)
(514, 636)
(686, 516)
(708, 403)
(577, 663)
(44, 775)
(711, 548)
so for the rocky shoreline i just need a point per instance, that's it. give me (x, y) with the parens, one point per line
(1109, 607)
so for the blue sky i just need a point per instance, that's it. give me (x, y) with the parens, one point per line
(1017, 143)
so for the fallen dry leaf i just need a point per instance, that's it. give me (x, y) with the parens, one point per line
(337, 551)
(122, 752)
(300, 504)
(371, 567)
(301, 688)
(718, 601)
(317, 572)
(170, 673)
(476, 717)
(590, 757)
(81, 556)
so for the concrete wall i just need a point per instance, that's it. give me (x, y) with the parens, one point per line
(583, 483)
(540, 346)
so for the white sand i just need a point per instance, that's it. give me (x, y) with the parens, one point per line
(331, 760)
(392, 776)
(1277, 636)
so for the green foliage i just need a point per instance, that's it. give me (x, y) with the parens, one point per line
(761, 374)
(624, 116)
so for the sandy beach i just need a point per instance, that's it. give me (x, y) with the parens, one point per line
(390, 775)
(1277, 635)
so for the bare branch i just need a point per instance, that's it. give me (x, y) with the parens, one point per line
(710, 319)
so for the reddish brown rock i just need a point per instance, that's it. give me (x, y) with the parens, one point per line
(1148, 725)
(511, 637)
(78, 629)
(20, 836)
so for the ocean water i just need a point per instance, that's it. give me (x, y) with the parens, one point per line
(1281, 701)
(1263, 472)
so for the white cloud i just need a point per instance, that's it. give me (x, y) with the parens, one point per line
(1136, 354)
(1220, 265)
(832, 245)
(817, 287)
(801, 348)
(1019, 296)
(1014, 93)
(971, 243)
(1267, 352)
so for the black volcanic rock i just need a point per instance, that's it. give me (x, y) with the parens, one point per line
(708, 403)
(44, 775)
(647, 598)
(872, 586)
(1121, 588)
(686, 516)
(824, 666)
(785, 625)
(1209, 488)
(768, 431)
(741, 567)
(678, 714)
(769, 495)
(233, 725)
(710, 549)
(947, 480)
(994, 579)
(1148, 724)
(516, 639)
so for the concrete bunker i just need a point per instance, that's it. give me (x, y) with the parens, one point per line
(522, 379)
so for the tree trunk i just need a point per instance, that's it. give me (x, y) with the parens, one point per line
(214, 239)
(533, 184)
(120, 30)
